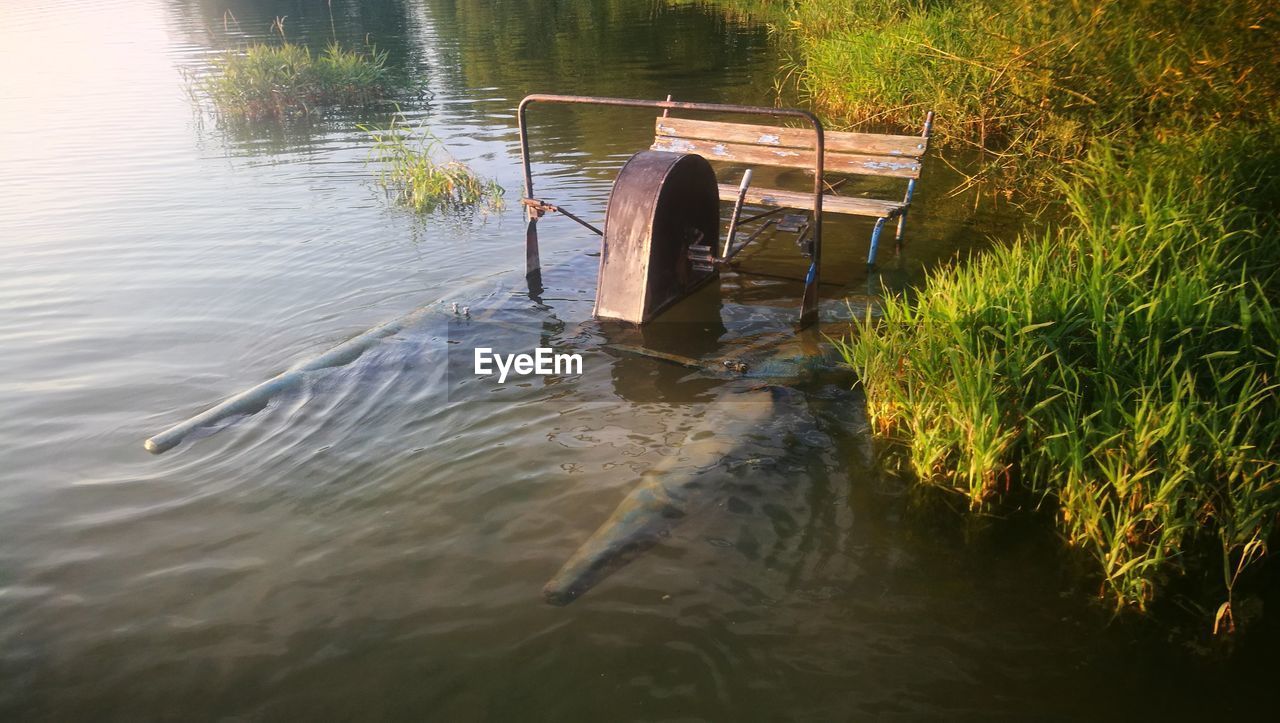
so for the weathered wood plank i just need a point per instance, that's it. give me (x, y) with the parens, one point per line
(837, 141)
(798, 199)
(863, 165)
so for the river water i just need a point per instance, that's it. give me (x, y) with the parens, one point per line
(373, 543)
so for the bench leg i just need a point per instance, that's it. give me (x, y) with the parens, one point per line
(809, 303)
(532, 264)
(911, 190)
(875, 241)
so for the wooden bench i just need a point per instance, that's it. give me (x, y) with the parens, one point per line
(864, 154)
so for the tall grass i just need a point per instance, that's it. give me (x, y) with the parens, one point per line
(420, 173)
(1122, 369)
(1033, 82)
(275, 82)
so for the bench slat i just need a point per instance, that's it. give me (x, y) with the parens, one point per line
(791, 157)
(831, 204)
(838, 141)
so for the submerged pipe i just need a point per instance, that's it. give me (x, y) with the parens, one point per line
(645, 516)
(255, 399)
(664, 496)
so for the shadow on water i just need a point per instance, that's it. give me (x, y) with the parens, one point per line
(372, 543)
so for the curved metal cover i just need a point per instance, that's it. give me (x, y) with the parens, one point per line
(661, 204)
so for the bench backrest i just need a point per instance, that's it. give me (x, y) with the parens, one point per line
(866, 154)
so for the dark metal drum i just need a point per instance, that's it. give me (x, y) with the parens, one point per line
(661, 204)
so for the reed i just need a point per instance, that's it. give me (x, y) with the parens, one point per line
(277, 82)
(1122, 369)
(1032, 82)
(420, 173)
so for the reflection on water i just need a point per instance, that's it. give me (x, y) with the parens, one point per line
(371, 546)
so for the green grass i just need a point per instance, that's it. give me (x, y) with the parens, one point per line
(1122, 368)
(1033, 82)
(420, 174)
(278, 82)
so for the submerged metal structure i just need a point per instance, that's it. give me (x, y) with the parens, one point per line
(661, 241)
(656, 248)
(701, 254)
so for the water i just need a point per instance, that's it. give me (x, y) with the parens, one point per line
(372, 545)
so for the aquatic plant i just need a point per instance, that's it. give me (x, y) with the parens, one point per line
(422, 175)
(274, 82)
(1033, 82)
(1122, 369)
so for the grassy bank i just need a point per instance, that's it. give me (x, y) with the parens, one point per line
(1120, 369)
(1033, 82)
(420, 173)
(1123, 367)
(275, 82)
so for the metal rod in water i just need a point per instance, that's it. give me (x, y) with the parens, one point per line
(737, 211)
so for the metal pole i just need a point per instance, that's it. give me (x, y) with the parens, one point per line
(911, 187)
(524, 147)
(532, 260)
(737, 211)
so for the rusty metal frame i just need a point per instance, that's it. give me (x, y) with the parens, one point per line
(809, 305)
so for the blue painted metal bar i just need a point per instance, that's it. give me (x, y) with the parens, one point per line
(902, 218)
(875, 241)
(911, 187)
